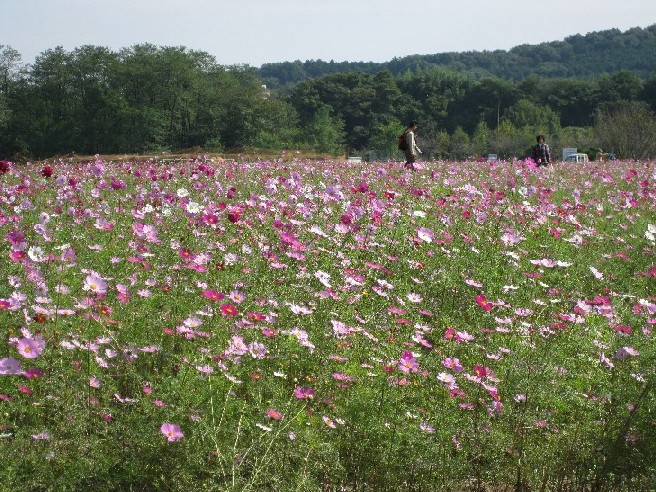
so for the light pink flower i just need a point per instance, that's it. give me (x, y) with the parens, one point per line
(30, 348)
(425, 234)
(95, 284)
(10, 366)
(171, 431)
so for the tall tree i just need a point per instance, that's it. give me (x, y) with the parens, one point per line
(627, 129)
(485, 101)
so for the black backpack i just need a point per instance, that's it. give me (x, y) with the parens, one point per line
(402, 143)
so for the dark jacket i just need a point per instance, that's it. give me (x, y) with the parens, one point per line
(541, 154)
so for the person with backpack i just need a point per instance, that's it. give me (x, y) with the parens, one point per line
(541, 155)
(408, 144)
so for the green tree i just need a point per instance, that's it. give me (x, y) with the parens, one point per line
(627, 129)
(460, 144)
(9, 70)
(622, 85)
(537, 119)
(510, 141)
(485, 101)
(432, 92)
(278, 125)
(326, 132)
(648, 94)
(481, 140)
(384, 139)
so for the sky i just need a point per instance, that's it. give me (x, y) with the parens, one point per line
(254, 32)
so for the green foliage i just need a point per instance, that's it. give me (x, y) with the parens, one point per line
(627, 129)
(582, 56)
(325, 132)
(148, 98)
(384, 139)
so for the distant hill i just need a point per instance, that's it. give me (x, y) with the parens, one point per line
(576, 56)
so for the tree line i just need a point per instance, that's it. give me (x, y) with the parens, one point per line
(147, 98)
(587, 55)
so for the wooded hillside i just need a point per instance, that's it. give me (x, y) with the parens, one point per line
(587, 55)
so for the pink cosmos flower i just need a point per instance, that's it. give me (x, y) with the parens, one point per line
(30, 348)
(419, 338)
(171, 431)
(463, 337)
(408, 363)
(342, 377)
(269, 332)
(414, 297)
(274, 414)
(234, 216)
(117, 184)
(237, 297)
(624, 352)
(448, 380)
(95, 284)
(483, 303)
(425, 234)
(453, 364)
(34, 373)
(257, 350)
(229, 310)
(623, 329)
(303, 393)
(9, 367)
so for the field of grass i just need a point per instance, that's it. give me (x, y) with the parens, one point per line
(311, 325)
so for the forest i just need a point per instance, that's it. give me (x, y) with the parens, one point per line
(591, 92)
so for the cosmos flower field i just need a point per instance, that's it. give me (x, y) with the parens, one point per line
(205, 324)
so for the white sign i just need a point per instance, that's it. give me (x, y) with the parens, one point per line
(568, 151)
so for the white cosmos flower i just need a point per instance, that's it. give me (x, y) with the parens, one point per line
(182, 192)
(193, 207)
(414, 297)
(650, 233)
(36, 254)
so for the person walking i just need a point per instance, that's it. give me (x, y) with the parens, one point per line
(411, 149)
(541, 154)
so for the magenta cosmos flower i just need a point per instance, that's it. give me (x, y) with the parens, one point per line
(213, 295)
(171, 431)
(304, 393)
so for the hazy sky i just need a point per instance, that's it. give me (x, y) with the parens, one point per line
(265, 31)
